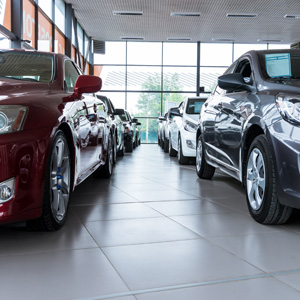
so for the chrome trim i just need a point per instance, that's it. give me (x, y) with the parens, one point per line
(222, 163)
(219, 151)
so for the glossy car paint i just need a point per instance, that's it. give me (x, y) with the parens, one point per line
(177, 129)
(229, 121)
(24, 154)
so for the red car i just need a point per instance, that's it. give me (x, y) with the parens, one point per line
(53, 135)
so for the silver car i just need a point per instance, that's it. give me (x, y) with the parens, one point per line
(250, 128)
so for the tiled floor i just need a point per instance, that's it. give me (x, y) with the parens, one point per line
(154, 231)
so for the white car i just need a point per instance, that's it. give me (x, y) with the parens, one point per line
(182, 130)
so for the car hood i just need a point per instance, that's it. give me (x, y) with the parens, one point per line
(192, 118)
(14, 89)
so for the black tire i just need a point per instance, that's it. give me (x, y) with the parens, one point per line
(183, 160)
(166, 145)
(57, 187)
(139, 142)
(106, 170)
(114, 149)
(162, 144)
(121, 151)
(134, 145)
(129, 146)
(172, 152)
(262, 199)
(203, 169)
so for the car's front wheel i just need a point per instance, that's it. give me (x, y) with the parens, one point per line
(183, 160)
(172, 152)
(261, 191)
(57, 187)
(203, 169)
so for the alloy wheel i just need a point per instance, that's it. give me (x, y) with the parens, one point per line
(199, 155)
(60, 180)
(256, 179)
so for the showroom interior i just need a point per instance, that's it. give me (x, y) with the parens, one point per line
(151, 229)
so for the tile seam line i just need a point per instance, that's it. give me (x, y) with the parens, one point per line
(191, 285)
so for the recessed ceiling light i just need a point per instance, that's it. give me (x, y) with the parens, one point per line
(185, 14)
(179, 39)
(269, 40)
(127, 13)
(292, 16)
(241, 15)
(136, 38)
(224, 40)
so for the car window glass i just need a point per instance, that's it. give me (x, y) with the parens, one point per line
(244, 68)
(71, 75)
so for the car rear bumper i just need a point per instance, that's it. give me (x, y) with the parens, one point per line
(22, 156)
(284, 140)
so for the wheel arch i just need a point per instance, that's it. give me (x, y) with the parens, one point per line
(69, 136)
(254, 130)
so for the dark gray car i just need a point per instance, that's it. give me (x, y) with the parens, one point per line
(250, 128)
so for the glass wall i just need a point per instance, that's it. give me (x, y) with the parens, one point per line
(148, 78)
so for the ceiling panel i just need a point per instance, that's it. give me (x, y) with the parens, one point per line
(156, 24)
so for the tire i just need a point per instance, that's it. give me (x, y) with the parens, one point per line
(129, 146)
(134, 145)
(166, 145)
(203, 169)
(57, 187)
(172, 152)
(106, 170)
(261, 191)
(121, 151)
(114, 149)
(183, 160)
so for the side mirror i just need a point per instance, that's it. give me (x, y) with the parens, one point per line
(233, 81)
(84, 84)
(138, 123)
(135, 120)
(162, 119)
(176, 113)
(119, 111)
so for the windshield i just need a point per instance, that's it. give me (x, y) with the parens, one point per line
(27, 66)
(124, 117)
(280, 65)
(194, 106)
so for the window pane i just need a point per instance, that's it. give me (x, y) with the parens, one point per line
(73, 34)
(60, 14)
(5, 14)
(179, 79)
(4, 43)
(115, 53)
(209, 77)
(144, 53)
(240, 49)
(279, 46)
(144, 104)
(59, 42)
(46, 6)
(113, 77)
(148, 130)
(44, 34)
(80, 37)
(86, 43)
(144, 78)
(215, 54)
(118, 99)
(174, 99)
(180, 54)
(28, 22)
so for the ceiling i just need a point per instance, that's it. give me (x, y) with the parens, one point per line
(156, 23)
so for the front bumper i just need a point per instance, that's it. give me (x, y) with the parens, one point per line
(22, 156)
(284, 141)
(188, 142)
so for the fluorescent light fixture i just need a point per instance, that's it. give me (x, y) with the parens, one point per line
(223, 40)
(135, 38)
(269, 40)
(127, 13)
(292, 16)
(179, 39)
(185, 14)
(241, 15)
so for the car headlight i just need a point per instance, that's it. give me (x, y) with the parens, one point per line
(289, 108)
(12, 118)
(189, 126)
